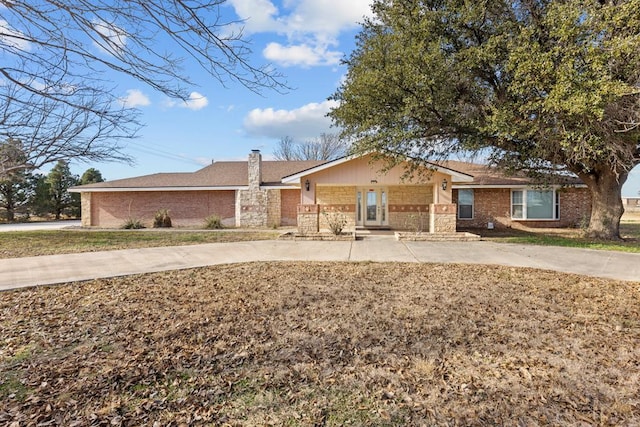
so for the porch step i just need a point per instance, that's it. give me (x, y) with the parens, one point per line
(373, 228)
(437, 237)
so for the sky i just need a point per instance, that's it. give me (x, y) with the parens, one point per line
(303, 39)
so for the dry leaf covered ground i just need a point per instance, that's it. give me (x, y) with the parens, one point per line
(323, 344)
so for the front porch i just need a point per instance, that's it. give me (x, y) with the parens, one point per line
(431, 218)
(364, 192)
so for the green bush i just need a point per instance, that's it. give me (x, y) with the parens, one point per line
(162, 219)
(213, 222)
(132, 224)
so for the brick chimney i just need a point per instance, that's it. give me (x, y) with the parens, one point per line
(255, 170)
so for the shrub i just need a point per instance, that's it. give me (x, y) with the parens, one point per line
(213, 222)
(132, 224)
(337, 221)
(162, 219)
(416, 222)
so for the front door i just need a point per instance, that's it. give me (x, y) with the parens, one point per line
(372, 207)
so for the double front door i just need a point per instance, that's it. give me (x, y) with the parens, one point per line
(372, 206)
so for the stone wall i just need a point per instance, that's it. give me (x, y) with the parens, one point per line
(442, 218)
(308, 219)
(409, 207)
(336, 200)
(258, 208)
(85, 209)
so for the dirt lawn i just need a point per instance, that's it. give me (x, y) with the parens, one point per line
(314, 344)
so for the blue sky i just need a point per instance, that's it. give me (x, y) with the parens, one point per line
(304, 40)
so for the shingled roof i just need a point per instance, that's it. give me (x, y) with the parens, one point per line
(485, 175)
(218, 174)
(235, 174)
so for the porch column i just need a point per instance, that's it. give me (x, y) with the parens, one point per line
(308, 218)
(442, 218)
(85, 209)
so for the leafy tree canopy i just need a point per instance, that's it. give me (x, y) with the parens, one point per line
(537, 84)
(60, 179)
(91, 176)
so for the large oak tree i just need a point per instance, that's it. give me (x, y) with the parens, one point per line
(537, 84)
(56, 97)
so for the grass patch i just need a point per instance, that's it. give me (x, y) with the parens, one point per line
(15, 244)
(630, 232)
(301, 344)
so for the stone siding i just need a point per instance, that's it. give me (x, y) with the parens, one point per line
(308, 219)
(186, 208)
(442, 218)
(85, 209)
(336, 199)
(258, 208)
(409, 207)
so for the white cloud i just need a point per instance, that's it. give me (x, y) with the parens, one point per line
(111, 39)
(302, 55)
(195, 102)
(306, 122)
(134, 98)
(310, 26)
(258, 15)
(13, 38)
(301, 16)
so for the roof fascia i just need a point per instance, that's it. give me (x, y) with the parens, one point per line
(296, 178)
(501, 186)
(197, 188)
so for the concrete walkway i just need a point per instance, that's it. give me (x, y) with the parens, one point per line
(43, 270)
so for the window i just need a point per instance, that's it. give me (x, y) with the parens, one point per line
(465, 204)
(534, 204)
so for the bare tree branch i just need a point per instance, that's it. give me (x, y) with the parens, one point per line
(55, 97)
(327, 146)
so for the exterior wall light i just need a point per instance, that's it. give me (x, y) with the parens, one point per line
(374, 181)
(307, 185)
(444, 184)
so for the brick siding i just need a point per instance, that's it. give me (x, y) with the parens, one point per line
(290, 199)
(186, 208)
(494, 205)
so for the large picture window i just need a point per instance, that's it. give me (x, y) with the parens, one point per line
(534, 204)
(465, 204)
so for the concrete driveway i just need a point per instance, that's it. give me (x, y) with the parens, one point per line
(30, 226)
(43, 270)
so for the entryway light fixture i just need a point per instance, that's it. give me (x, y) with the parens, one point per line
(444, 184)
(374, 181)
(307, 185)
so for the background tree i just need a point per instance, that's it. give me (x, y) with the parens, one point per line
(538, 85)
(326, 147)
(16, 190)
(60, 179)
(40, 203)
(91, 176)
(54, 96)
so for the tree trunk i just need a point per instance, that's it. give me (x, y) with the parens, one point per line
(606, 203)
(10, 213)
